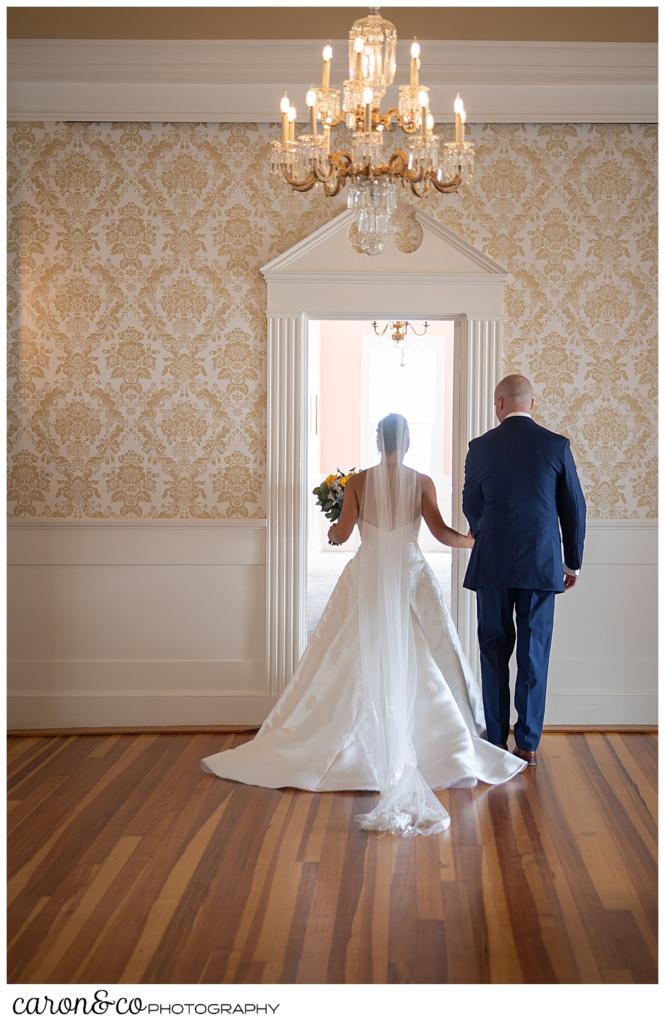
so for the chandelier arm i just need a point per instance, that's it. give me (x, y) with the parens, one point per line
(399, 156)
(414, 177)
(447, 187)
(332, 186)
(394, 115)
(425, 187)
(329, 176)
(380, 334)
(343, 161)
(301, 186)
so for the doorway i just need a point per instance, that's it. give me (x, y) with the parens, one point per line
(322, 277)
(355, 377)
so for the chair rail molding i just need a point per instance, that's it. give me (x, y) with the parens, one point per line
(322, 277)
(242, 80)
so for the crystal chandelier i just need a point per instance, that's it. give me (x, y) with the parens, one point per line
(370, 170)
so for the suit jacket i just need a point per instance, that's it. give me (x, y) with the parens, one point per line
(520, 486)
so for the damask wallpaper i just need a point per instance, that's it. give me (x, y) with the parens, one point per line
(137, 333)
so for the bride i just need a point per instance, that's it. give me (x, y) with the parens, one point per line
(383, 698)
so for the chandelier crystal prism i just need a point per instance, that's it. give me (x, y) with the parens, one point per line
(370, 168)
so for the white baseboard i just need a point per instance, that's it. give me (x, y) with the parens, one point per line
(602, 709)
(64, 710)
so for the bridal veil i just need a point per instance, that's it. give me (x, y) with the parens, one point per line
(389, 518)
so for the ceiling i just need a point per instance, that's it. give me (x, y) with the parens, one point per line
(565, 24)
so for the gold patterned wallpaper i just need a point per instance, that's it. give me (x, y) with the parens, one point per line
(137, 333)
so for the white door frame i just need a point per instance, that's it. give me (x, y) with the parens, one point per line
(322, 278)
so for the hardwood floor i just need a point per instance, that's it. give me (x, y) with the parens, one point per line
(129, 864)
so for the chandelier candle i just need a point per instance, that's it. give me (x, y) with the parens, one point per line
(415, 63)
(325, 76)
(368, 96)
(358, 47)
(311, 103)
(458, 107)
(370, 167)
(284, 107)
(422, 100)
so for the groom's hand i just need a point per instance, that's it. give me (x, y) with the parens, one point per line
(569, 581)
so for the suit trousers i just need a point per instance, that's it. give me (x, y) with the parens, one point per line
(500, 611)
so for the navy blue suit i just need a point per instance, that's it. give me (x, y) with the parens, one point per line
(522, 498)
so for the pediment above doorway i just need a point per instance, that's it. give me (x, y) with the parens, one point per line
(444, 275)
(421, 245)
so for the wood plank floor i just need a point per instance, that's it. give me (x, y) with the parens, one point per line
(129, 864)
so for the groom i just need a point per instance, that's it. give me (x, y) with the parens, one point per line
(520, 485)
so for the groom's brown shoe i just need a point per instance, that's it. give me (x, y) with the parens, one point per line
(527, 755)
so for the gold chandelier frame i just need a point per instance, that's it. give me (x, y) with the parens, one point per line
(342, 167)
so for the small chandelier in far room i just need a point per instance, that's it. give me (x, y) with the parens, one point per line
(398, 331)
(370, 169)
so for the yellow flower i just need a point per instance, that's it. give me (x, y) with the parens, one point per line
(344, 479)
(329, 479)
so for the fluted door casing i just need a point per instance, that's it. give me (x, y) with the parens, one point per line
(478, 361)
(287, 514)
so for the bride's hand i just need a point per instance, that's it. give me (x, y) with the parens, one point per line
(332, 534)
(469, 540)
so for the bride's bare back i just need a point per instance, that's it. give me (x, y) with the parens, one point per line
(360, 504)
(391, 496)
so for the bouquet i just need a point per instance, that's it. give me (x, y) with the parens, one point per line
(330, 493)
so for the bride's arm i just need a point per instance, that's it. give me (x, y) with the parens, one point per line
(432, 516)
(343, 528)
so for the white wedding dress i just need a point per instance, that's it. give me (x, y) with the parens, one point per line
(383, 698)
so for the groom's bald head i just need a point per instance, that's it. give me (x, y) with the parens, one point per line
(513, 394)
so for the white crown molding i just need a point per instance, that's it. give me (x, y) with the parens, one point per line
(242, 80)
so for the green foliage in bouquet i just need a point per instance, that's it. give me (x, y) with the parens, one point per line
(330, 493)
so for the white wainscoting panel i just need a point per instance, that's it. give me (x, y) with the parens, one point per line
(144, 623)
(603, 665)
(164, 623)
